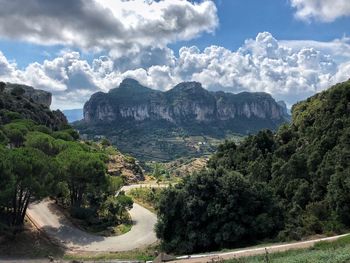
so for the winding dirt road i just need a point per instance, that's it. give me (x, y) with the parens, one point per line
(48, 218)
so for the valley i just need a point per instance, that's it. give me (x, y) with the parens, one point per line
(180, 131)
(259, 175)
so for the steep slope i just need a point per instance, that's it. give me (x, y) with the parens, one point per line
(30, 103)
(164, 125)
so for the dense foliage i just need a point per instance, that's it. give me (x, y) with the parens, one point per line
(215, 209)
(37, 162)
(291, 183)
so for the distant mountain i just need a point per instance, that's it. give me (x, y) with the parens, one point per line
(144, 116)
(74, 115)
(187, 102)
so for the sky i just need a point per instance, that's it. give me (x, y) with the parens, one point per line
(288, 48)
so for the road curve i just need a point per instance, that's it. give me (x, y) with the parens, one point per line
(47, 217)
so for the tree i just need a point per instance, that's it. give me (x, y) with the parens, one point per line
(6, 182)
(43, 142)
(15, 136)
(115, 209)
(213, 210)
(85, 174)
(2, 86)
(3, 138)
(32, 179)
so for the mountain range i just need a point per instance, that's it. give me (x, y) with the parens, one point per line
(187, 102)
(150, 122)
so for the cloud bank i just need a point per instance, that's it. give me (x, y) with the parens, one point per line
(117, 26)
(284, 69)
(323, 10)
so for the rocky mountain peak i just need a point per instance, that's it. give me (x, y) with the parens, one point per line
(129, 82)
(36, 95)
(191, 87)
(129, 87)
(187, 102)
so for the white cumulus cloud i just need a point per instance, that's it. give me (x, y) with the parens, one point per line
(323, 10)
(288, 70)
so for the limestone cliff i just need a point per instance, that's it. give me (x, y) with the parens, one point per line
(187, 102)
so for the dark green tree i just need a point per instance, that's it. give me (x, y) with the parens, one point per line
(215, 209)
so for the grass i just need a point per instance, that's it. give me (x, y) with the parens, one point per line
(123, 229)
(323, 252)
(145, 254)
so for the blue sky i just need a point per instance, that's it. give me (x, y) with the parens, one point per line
(243, 19)
(289, 48)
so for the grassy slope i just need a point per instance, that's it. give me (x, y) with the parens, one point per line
(323, 252)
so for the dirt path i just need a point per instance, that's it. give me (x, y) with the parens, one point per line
(48, 218)
(214, 257)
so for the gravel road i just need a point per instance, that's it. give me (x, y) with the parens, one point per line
(48, 218)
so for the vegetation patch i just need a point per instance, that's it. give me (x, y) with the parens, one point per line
(147, 197)
(144, 254)
(322, 252)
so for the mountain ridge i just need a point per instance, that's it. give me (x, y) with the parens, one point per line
(185, 121)
(186, 102)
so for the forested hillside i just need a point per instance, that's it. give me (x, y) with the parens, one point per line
(42, 156)
(284, 185)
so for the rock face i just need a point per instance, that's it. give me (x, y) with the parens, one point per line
(187, 102)
(37, 96)
(31, 104)
(284, 106)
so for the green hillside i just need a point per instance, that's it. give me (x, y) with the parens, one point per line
(284, 185)
(42, 156)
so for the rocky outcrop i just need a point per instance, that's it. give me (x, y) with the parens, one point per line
(125, 166)
(187, 102)
(37, 96)
(30, 104)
